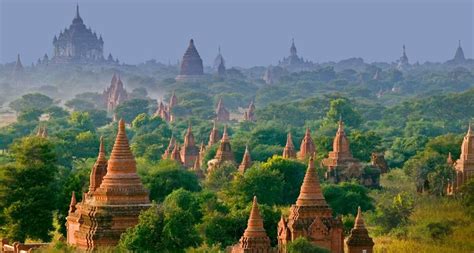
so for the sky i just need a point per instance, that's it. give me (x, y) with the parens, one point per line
(250, 32)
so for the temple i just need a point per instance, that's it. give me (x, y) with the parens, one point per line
(165, 111)
(254, 239)
(458, 56)
(403, 61)
(176, 154)
(219, 64)
(249, 114)
(191, 65)
(113, 201)
(169, 149)
(214, 136)
(293, 62)
(311, 217)
(359, 240)
(189, 151)
(341, 165)
(289, 151)
(224, 152)
(222, 115)
(78, 44)
(307, 147)
(464, 166)
(246, 161)
(18, 69)
(115, 94)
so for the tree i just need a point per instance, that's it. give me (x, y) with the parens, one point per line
(130, 109)
(28, 190)
(266, 184)
(396, 213)
(167, 176)
(147, 235)
(77, 104)
(467, 196)
(220, 176)
(29, 115)
(302, 245)
(344, 198)
(31, 101)
(81, 120)
(363, 144)
(342, 107)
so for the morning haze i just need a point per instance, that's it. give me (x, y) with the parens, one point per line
(249, 32)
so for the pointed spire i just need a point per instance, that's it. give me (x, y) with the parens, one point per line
(289, 150)
(359, 220)
(469, 129)
(225, 136)
(72, 204)
(307, 147)
(246, 161)
(175, 155)
(449, 160)
(77, 11)
(100, 168)
(459, 43)
(101, 149)
(255, 223)
(310, 193)
(121, 150)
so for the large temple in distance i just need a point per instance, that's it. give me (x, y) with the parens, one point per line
(78, 44)
(293, 62)
(191, 67)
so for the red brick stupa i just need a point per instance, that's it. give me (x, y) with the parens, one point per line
(341, 165)
(359, 240)
(249, 114)
(115, 94)
(289, 151)
(464, 166)
(246, 161)
(189, 152)
(307, 147)
(254, 239)
(214, 135)
(112, 203)
(311, 217)
(224, 152)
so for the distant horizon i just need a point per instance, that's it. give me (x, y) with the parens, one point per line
(323, 31)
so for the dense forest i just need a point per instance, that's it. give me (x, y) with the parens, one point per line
(414, 117)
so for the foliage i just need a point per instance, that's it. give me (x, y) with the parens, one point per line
(130, 109)
(396, 214)
(346, 197)
(467, 196)
(302, 245)
(26, 198)
(31, 101)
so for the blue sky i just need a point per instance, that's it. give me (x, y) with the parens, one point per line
(250, 32)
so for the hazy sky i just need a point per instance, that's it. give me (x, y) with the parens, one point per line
(250, 32)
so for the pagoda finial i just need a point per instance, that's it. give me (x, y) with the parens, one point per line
(225, 136)
(219, 49)
(359, 220)
(459, 43)
(469, 129)
(101, 148)
(77, 11)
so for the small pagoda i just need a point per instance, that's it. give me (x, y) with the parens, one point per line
(289, 151)
(222, 114)
(311, 218)
(464, 166)
(189, 152)
(246, 161)
(254, 239)
(115, 198)
(191, 68)
(307, 147)
(359, 240)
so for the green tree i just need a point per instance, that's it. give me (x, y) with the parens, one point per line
(147, 235)
(167, 176)
(220, 176)
(467, 196)
(81, 120)
(29, 115)
(344, 198)
(302, 245)
(28, 190)
(342, 107)
(130, 109)
(31, 101)
(363, 144)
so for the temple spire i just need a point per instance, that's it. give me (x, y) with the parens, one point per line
(307, 147)
(72, 204)
(246, 161)
(255, 223)
(100, 168)
(77, 11)
(310, 193)
(359, 220)
(289, 150)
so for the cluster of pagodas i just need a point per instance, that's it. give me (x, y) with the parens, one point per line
(116, 196)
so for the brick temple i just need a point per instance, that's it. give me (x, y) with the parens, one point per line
(115, 198)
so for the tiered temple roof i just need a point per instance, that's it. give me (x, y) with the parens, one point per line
(254, 239)
(307, 147)
(311, 217)
(108, 209)
(222, 115)
(191, 64)
(289, 151)
(458, 56)
(78, 44)
(341, 165)
(224, 152)
(169, 149)
(246, 161)
(403, 61)
(214, 135)
(189, 152)
(464, 166)
(115, 94)
(293, 62)
(359, 240)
